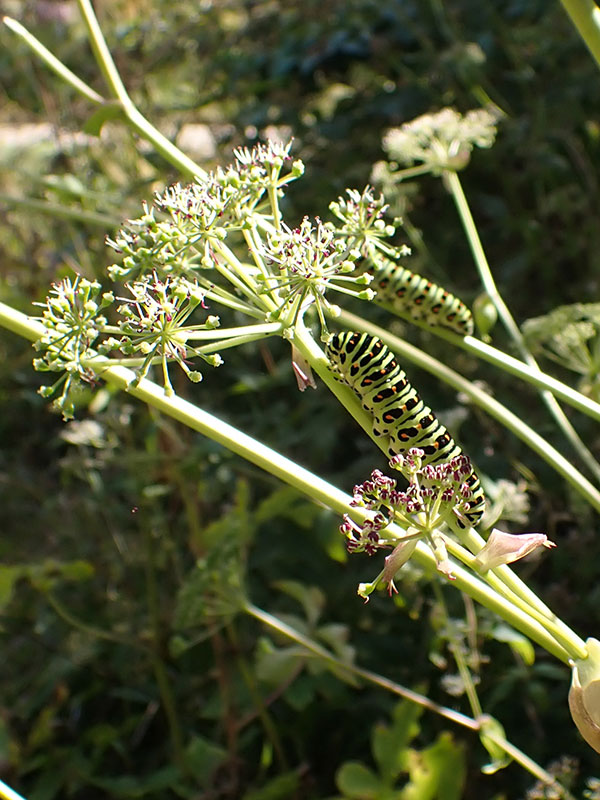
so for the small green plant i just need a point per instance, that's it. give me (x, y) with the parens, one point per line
(402, 770)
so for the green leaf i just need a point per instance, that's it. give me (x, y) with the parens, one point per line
(203, 757)
(277, 665)
(8, 578)
(358, 782)
(518, 643)
(301, 693)
(389, 743)
(288, 504)
(497, 753)
(406, 722)
(436, 772)
(281, 787)
(108, 111)
(311, 598)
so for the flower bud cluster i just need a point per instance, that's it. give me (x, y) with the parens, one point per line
(362, 215)
(441, 141)
(307, 258)
(153, 324)
(433, 493)
(73, 319)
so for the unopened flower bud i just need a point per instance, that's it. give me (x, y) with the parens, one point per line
(397, 558)
(584, 695)
(504, 548)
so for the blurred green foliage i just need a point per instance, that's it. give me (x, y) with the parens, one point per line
(120, 677)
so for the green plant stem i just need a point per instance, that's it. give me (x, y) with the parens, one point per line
(52, 62)
(452, 181)
(455, 641)
(167, 696)
(507, 584)
(136, 121)
(262, 711)
(388, 685)
(291, 473)
(102, 54)
(59, 211)
(91, 630)
(495, 409)
(585, 15)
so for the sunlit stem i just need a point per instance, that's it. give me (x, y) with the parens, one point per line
(411, 172)
(226, 344)
(255, 246)
(53, 63)
(239, 276)
(266, 329)
(508, 419)
(452, 181)
(274, 203)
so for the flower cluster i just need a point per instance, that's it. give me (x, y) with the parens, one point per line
(154, 325)
(73, 320)
(201, 214)
(440, 489)
(220, 240)
(307, 258)
(363, 222)
(441, 141)
(435, 494)
(153, 329)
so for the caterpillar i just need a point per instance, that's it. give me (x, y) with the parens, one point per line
(421, 299)
(367, 365)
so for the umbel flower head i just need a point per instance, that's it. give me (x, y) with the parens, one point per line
(441, 141)
(363, 223)
(201, 215)
(73, 320)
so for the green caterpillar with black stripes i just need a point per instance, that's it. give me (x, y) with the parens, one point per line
(401, 418)
(421, 299)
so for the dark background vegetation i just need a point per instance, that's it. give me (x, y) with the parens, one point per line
(110, 521)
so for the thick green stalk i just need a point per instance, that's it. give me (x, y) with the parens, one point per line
(290, 472)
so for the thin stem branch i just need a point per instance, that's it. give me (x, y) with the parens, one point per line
(585, 15)
(59, 211)
(52, 62)
(388, 685)
(452, 181)
(498, 358)
(102, 53)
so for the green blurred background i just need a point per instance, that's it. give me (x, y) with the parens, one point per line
(104, 519)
